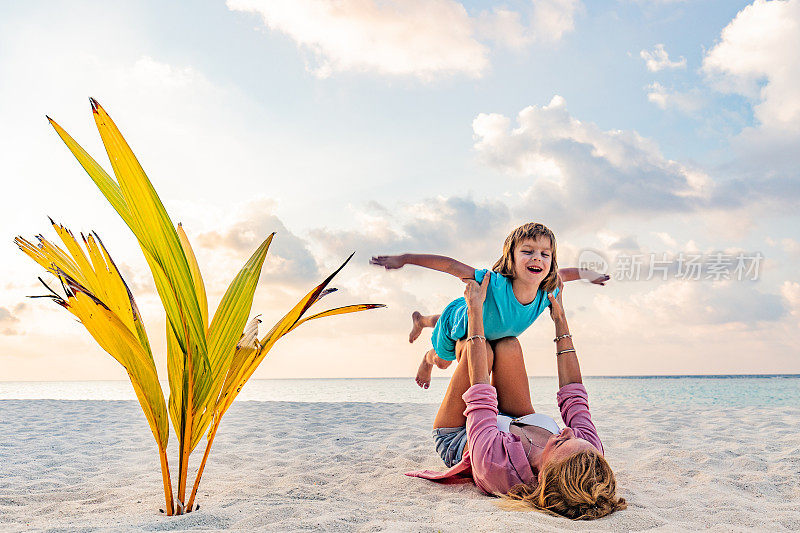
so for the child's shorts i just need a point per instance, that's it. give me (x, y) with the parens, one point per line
(450, 444)
(451, 326)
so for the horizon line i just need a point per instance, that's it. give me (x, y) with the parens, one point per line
(625, 376)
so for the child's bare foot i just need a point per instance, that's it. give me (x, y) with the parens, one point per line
(423, 378)
(416, 326)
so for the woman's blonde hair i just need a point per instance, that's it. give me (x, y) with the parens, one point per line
(532, 231)
(580, 487)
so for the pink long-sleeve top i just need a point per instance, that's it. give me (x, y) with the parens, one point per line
(496, 460)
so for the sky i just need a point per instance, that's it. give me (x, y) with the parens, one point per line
(658, 139)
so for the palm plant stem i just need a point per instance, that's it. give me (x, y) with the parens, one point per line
(211, 435)
(167, 481)
(186, 429)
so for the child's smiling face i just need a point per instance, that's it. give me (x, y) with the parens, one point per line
(532, 260)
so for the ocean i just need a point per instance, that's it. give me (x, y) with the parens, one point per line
(723, 391)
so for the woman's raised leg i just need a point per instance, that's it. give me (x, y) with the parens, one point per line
(451, 412)
(510, 378)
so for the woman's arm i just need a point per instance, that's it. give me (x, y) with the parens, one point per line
(573, 400)
(572, 274)
(569, 371)
(475, 349)
(435, 262)
(489, 457)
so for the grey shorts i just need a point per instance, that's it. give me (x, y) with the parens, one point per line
(450, 444)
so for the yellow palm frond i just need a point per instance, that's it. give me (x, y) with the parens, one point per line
(354, 308)
(224, 333)
(197, 278)
(98, 296)
(136, 201)
(245, 362)
(208, 359)
(157, 234)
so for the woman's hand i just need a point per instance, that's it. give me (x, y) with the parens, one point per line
(389, 262)
(475, 294)
(598, 278)
(556, 304)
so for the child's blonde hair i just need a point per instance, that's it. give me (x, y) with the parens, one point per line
(532, 231)
(579, 487)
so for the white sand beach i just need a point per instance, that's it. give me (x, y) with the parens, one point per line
(285, 466)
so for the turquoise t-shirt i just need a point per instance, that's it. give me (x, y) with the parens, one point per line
(503, 315)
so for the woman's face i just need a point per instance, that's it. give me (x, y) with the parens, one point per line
(532, 260)
(561, 446)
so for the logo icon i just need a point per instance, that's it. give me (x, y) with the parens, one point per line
(593, 260)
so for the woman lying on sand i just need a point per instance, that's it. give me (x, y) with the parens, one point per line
(530, 462)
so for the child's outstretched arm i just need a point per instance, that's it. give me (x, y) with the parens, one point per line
(435, 262)
(572, 274)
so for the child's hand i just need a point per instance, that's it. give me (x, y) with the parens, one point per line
(389, 262)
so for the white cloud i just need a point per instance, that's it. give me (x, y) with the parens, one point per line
(505, 27)
(420, 38)
(551, 19)
(790, 290)
(790, 246)
(688, 102)
(583, 176)
(457, 226)
(7, 322)
(613, 241)
(589, 174)
(758, 56)
(676, 304)
(288, 259)
(6, 316)
(658, 59)
(627, 243)
(666, 238)
(787, 244)
(548, 21)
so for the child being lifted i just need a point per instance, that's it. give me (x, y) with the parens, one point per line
(517, 294)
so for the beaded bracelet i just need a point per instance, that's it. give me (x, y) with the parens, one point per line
(476, 337)
(564, 336)
(565, 351)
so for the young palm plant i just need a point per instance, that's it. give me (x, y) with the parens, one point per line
(208, 363)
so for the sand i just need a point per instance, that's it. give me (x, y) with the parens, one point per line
(281, 466)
